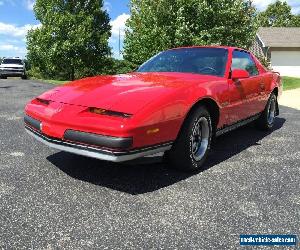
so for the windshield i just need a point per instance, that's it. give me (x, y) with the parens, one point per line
(12, 61)
(206, 61)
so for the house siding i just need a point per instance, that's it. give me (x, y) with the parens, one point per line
(287, 62)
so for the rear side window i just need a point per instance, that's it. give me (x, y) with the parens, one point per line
(243, 60)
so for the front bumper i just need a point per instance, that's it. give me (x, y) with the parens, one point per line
(91, 145)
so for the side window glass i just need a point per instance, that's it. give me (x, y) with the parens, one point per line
(243, 60)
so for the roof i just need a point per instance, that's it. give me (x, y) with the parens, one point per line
(257, 48)
(279, 37)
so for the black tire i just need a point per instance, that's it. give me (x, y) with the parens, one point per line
(267, 118)
(24, 77)
(182, 156)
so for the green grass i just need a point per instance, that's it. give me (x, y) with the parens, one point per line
(56, 82)
(51, 81)
(290, 83)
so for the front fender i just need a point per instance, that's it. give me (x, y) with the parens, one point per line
(168, 112)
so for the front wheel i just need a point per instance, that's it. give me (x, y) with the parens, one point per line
(267, 118)
(190, 150)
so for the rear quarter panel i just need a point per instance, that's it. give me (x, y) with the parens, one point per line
(272, 80)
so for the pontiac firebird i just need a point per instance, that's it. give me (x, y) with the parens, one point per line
(174, 103)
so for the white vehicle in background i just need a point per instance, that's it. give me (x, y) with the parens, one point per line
(12, 67)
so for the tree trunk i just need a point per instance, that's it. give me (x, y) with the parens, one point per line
(72, 75)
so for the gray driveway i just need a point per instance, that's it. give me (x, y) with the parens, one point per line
(51, 199)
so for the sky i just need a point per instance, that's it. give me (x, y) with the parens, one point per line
(17, 17)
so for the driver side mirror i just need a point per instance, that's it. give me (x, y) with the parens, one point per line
(239, 74)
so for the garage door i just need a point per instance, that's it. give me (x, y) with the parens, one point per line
(286, 62)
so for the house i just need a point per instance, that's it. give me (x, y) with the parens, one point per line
(281, 46)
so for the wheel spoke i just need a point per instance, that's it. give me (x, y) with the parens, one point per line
(200, 138)
(271, 111)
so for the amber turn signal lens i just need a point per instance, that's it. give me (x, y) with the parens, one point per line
(153, 131)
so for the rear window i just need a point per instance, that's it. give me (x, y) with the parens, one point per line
(12, 61)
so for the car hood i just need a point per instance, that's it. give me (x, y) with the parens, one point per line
(123, 93)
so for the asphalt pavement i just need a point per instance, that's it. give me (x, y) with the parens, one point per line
(56, 200)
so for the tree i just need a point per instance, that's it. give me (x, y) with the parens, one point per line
(119, 67)
(156, 25)
(278, 14)
(296, 21)
(72, 40)
(27, 64)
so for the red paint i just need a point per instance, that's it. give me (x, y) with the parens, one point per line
(239, 74)
(155, 100)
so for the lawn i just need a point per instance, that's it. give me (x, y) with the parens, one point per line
(54, 81)
(290, 83)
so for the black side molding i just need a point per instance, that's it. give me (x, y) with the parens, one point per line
(32, 122)
(234, 126)
(98, 140)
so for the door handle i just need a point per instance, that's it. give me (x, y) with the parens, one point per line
(237, 83)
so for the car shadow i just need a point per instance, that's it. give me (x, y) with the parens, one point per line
(7, 87)
(150, 173)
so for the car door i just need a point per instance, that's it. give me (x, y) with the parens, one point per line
(244, 93)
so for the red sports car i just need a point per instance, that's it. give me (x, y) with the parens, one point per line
(174, 103)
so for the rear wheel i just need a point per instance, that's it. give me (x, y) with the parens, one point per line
(190, 150)
(267, 118)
